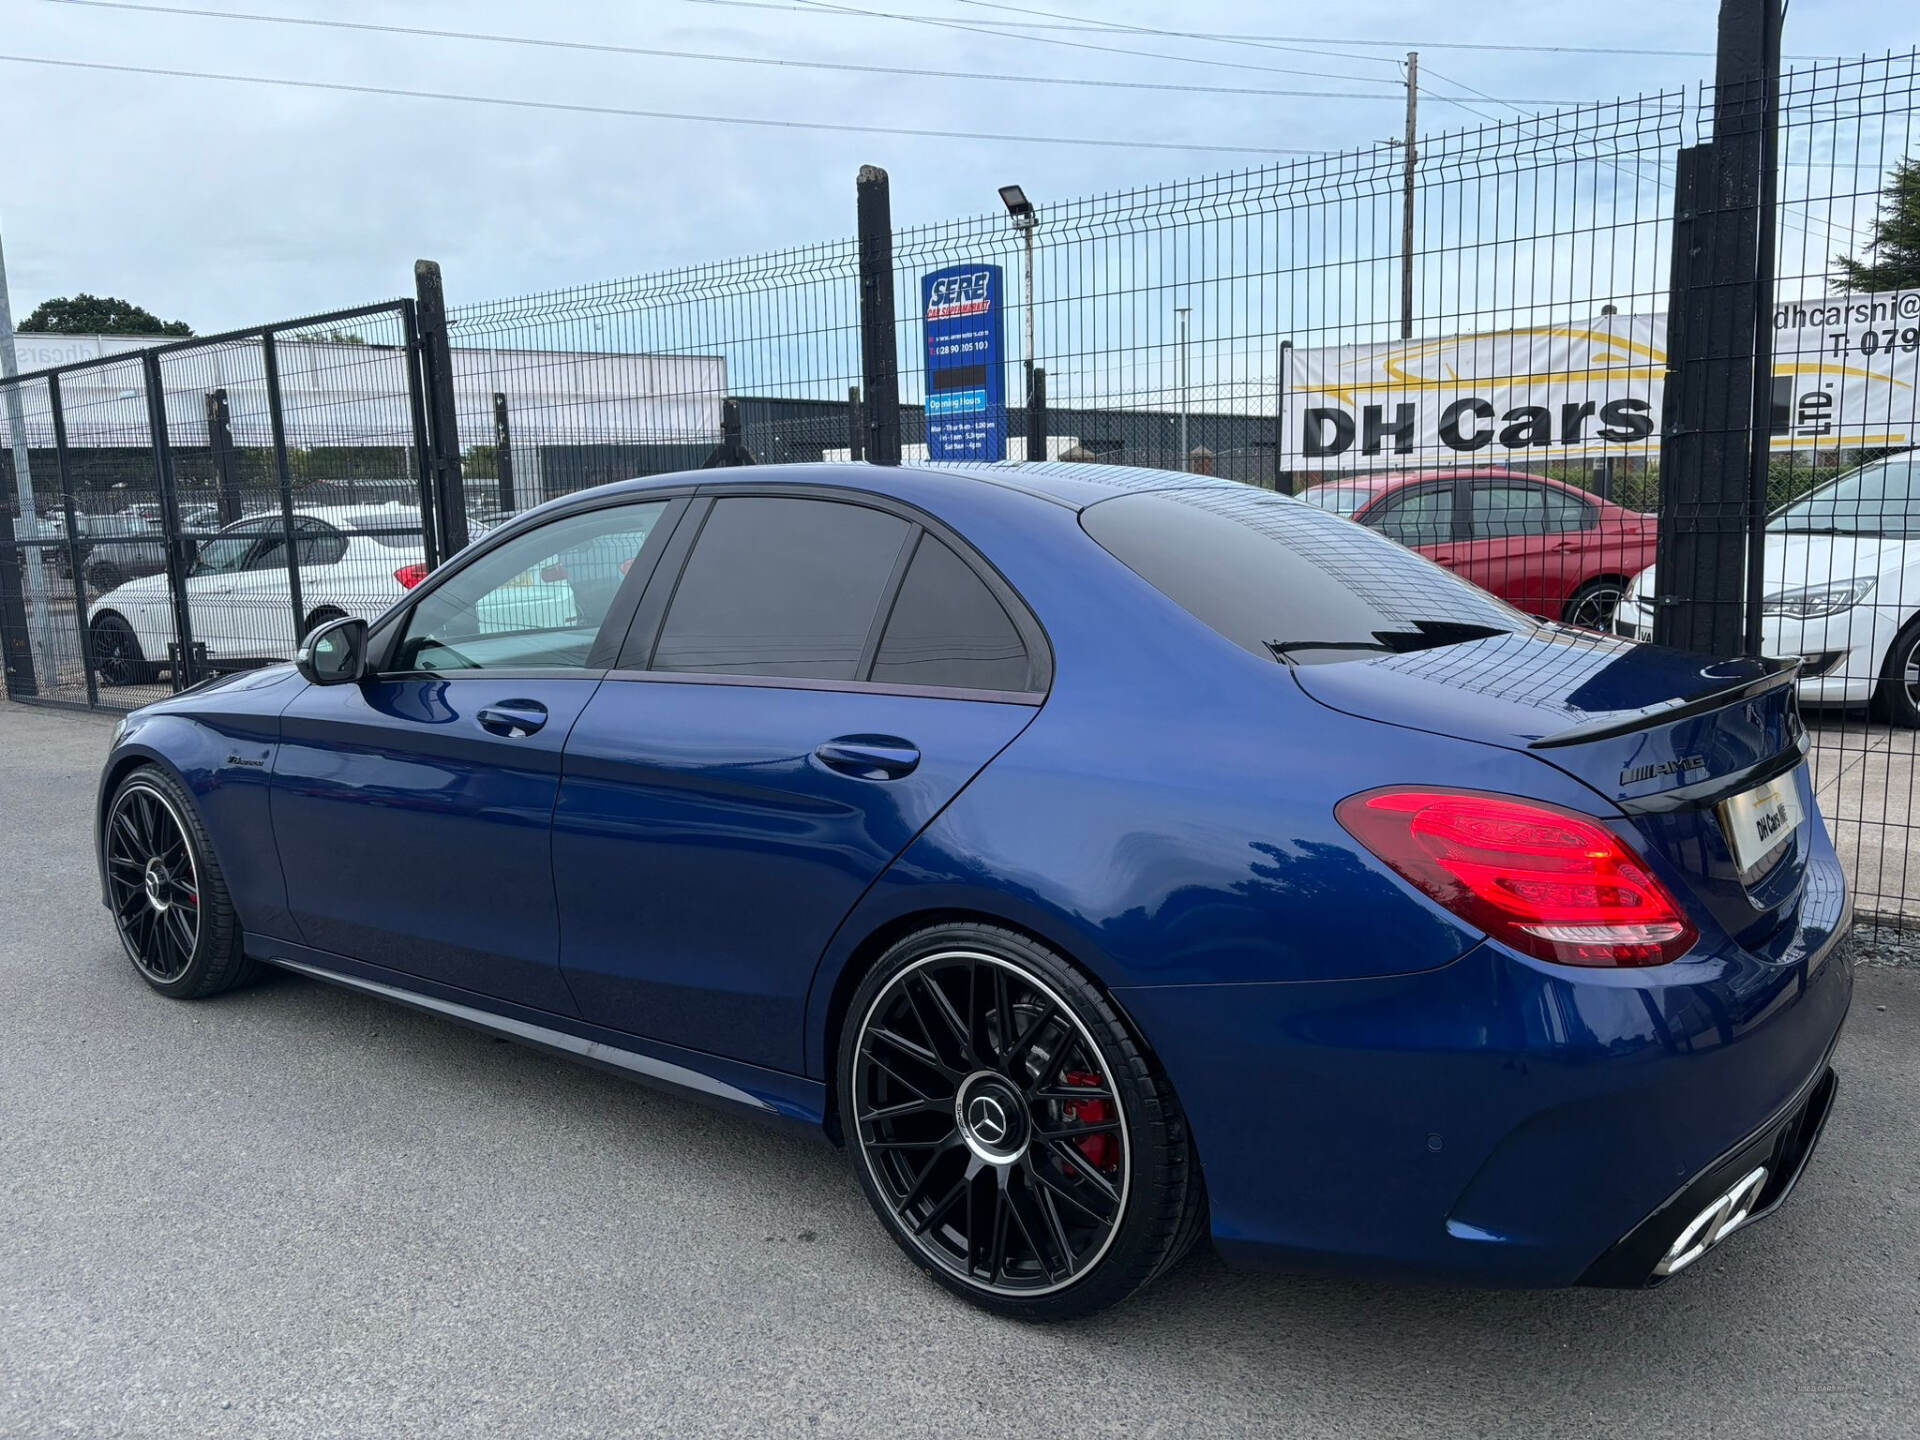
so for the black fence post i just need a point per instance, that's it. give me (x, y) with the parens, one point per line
(283, 475)
(1762, 112)
(879, 368)
(1282, 476)
(443, 428)
(856, 426)
(1036, 413)
(422, 449)
(226, 473)
(732, 449)
(1708, 431)
(503, 453)
(64, 468)
(173, 544)
(13, 599)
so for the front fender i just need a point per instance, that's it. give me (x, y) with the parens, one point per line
(219, 744)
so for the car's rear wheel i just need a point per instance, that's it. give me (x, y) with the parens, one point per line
(1899, 698)
(103, 577)
(1009, 1129)
(168, 896)
(1591, 607)
(117, 655)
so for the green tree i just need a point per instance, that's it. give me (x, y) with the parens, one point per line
(1895, 246)
(86, 314)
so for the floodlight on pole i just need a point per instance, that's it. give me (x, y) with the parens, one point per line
(1026, 221)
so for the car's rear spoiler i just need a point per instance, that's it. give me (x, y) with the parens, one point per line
(1775, 675)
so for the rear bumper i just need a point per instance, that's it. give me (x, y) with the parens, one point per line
(1780, 1150)
(1498, 1121)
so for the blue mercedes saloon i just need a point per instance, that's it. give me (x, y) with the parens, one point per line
(1105, 858)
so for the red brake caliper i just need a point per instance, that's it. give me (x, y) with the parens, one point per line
(1102, 1150)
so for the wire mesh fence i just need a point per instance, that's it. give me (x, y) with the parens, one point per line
(1467, 344)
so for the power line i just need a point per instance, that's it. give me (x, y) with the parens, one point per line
(1111, 26)
(1244, 37)
(819, 7)
(617, 110)
(607, 48)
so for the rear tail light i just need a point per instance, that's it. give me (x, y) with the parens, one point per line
(410, 575)
(1548, 882)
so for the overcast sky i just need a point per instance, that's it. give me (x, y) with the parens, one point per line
(224, 204)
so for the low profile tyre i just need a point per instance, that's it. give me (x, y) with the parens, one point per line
(1009, 1129)
(1591, 607)
(117, 655)
(169, 899)
(1899, 697)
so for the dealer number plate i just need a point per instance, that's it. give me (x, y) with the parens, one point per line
(1759, 821)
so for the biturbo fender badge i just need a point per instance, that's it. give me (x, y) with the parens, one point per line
(1634, 774)
(248, 758)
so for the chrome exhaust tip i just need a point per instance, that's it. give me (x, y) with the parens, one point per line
(1713, 1224)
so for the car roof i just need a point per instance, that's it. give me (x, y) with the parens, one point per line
(343, 517)
(1070, 483)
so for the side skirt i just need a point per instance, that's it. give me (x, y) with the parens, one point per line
(788, 1100)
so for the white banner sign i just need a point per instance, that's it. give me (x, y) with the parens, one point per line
(1845, 374)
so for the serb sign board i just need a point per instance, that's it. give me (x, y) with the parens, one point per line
(966, 370)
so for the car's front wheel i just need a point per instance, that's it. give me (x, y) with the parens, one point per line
(168, 895)
(1010, 1130)
(1899, 698)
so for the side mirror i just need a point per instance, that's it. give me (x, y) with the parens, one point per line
(334, 653)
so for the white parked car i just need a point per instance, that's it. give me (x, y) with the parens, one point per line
(353, 560)
(1842, 587)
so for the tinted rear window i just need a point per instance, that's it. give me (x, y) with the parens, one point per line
(1290, 581)
(947, 629)
(781, 587)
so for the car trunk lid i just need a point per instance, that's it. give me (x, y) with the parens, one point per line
(1667, 737)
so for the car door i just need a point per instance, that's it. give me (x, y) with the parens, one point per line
(413, 809)
(219, 565)
(822, 677)
(1508, 550)
(1422, 517)
(1576, 549)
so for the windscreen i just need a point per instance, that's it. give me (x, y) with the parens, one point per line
(1881, 498)
(1290, 581)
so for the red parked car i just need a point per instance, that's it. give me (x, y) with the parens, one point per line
(1548, 548)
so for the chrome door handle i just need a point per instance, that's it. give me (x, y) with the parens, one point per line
(512, 719)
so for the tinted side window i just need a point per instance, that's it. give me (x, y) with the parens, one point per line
(318, 544)
(1287, 580)
(1500, 511)
(1567, 512)
(537, 600)
(781, 587)
(1415, 517)
(947, 629)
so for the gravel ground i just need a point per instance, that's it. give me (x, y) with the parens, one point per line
(300, 1212)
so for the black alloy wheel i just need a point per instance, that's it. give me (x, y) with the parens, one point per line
(168, 897)
(1592, 605)
(116, 653)
(1010, 1132)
